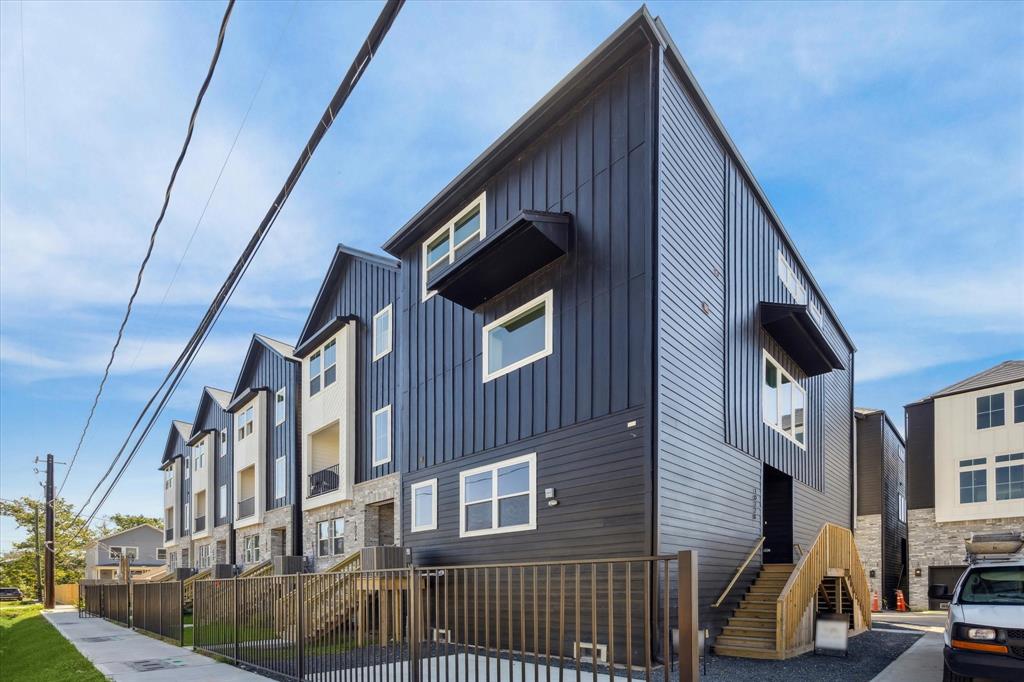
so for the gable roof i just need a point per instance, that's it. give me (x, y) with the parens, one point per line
(219, 396)
(1004, 373)
(341, 254)
(127, 530)
(640, 28)
(865, 412)
(180, 429)
(257, 343)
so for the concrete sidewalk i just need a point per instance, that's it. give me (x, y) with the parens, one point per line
(127, 656)
(922, 662)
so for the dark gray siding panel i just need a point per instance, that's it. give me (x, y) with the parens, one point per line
(595, 164)
(212, 418)
(869, 464)
(893, 529)
(708, 492)
(596, 468)
(363, 288)
(921, 455)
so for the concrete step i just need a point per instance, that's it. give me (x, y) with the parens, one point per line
(745, 642)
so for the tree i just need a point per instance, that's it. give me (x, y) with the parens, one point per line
(18, 566)
(115, 523)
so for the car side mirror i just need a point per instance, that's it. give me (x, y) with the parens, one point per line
(938, 592)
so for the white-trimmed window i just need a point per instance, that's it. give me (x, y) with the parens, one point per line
(222, 500)
(199, 461)
(783, 401)
(188, 468)
(223, 442)
(789, 278)
(330, 537)
(188, 517)
(251, 549)
(244, 421)
(499, 498)
(424, 505)
(903, 507)
(520, 337)
(323, 368)
(161, 554)
(815, 310)
(382, 436)
(280, 407)
(116, 552)
(442, 248)
(280, 479)
(382, 333)
(168, 478)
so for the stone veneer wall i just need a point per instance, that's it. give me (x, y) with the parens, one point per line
(942, 544)
(361, 519)
(220, 533)
(273, 519)
(868, 538)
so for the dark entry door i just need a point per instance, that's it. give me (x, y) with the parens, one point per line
(777, 516)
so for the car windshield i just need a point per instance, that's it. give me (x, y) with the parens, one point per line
(994, 585)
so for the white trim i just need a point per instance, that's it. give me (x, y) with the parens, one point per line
(373, 422)
(121, 551)
(280, 478)
(449, 227)
(281, 392)
(765, 358)
(791, 280)
(432, 484)
(494, 530)
(224, 442)
(547, 300)
(379, 353)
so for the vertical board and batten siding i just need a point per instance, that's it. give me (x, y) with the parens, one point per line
(595, 163)
(708, 492)
(361, 288)
(920, 425)
(181, 451)
(825, 468)
(893, 529)
(272, 371)
(869, 465)
(213, 418)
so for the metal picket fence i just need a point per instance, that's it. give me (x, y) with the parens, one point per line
(106, 601)
(158, 609)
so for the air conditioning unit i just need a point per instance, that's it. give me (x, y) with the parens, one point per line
(223, 571)
(184, 573)
(289, 565)
(383, 557)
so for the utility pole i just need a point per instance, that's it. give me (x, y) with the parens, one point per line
(39, 575)
(50, 547)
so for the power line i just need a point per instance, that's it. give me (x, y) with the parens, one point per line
(183, 362)
(188, 245)
(152, 236)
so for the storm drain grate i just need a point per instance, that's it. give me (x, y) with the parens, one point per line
(151, 664)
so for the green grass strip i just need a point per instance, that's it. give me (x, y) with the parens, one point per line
(33, 650)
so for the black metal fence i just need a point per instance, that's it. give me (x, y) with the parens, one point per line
(105, 601)
(158, 609)
(529, 621)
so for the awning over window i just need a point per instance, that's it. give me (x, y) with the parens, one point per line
(506, 256)
(800, 336)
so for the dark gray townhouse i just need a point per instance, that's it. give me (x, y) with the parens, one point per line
(349, 403)
(608, 344)
(176, 465)
(266, 453)
(882, 504)
(213, 495)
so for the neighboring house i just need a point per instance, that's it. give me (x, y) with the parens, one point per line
(143, 545)
(608, 345)
(213, 474)
(882, 503)
(265, 405)
(176, 466)
(965, 472)
(349, 462)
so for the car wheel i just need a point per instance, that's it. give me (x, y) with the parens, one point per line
(950, 676)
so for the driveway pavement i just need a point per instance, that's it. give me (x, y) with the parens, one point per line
(124, 655)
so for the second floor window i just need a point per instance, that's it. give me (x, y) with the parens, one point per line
(382, 333)
(991, 411)
(245, 419)
(783, 402)
(188, 518)
(188, 468)
(424, 505)
(382, 436)
(199, 461)
(519, 338)
(973, 480)
(116, 552)
(280, 479)
(223, 442)
(222, 500)
(323, 368)
(1010, 476)
(1018, 406)
(168, 478)
(280, 407)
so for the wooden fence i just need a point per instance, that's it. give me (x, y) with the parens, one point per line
(66, 594)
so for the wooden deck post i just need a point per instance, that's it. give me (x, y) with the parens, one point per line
(689, 652)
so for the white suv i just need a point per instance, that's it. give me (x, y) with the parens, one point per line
(985, 625)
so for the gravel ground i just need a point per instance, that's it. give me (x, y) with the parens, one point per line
(870, 653)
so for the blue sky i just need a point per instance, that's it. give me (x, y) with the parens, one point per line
(889, 137)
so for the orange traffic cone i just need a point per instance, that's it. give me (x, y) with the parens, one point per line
(875, 606)
(901, 603)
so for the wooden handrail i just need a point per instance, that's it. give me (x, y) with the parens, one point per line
(739, 571)
(798, 548)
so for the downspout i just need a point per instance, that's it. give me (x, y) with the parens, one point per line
(853, 453)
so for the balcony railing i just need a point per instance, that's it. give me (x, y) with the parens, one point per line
(247, 507)
(168, 534)
(200, 524)
(323, 481)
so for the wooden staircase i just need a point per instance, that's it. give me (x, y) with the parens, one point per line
(750, 632)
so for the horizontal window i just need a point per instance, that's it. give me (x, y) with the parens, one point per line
(424, 505)
(1009, 458)
(444, 246)
(519, 338)
(498, 498)
(972, 462)
(991, 411)
(783, 402)
(382, 333)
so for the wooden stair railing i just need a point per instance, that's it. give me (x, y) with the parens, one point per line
(256, 570)
(316, 586)
(833, 554)
(738, 573)
(189, 585)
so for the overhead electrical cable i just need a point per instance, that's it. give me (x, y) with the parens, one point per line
(183, 362)
(152, 239)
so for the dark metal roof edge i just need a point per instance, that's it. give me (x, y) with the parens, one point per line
(205, 396)
(703, 103)
(256, 338)
(316, 337)
(794, 308)
(639, 21)
(245, 396)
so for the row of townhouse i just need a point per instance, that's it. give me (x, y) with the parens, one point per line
(597, 340)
